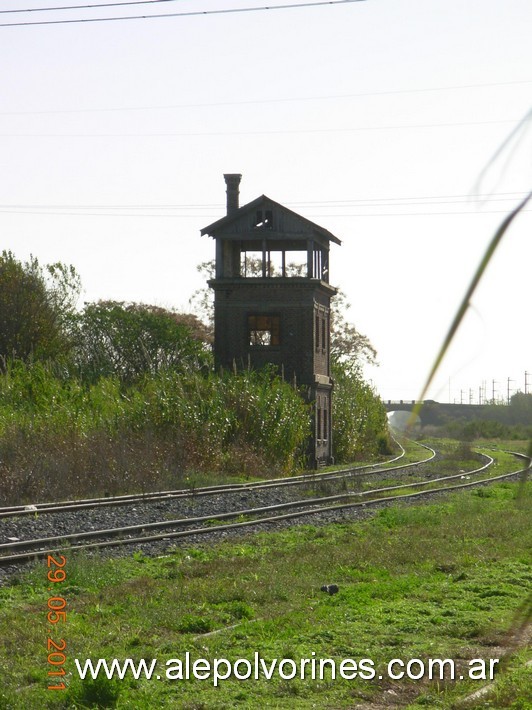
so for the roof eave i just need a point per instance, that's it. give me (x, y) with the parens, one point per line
(211, 229)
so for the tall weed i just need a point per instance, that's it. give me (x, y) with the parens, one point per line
(63, 437)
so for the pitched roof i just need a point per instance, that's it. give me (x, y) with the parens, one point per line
(222, 225)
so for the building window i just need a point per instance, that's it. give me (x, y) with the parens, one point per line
(263, 219)
(264, 331)
(320, 328)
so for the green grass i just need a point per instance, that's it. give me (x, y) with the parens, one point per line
(443, 580)
(519, 445)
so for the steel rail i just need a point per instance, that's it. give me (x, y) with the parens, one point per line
(16, 558)
(309, 503)
(162, 495)
(20, 511)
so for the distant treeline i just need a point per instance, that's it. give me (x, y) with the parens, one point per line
(488, 421)
(487, 429)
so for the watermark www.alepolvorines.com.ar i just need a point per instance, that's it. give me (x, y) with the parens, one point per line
(221, 669)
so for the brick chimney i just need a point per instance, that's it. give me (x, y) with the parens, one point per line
(232, 180)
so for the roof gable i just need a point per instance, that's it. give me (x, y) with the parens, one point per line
(247, 222)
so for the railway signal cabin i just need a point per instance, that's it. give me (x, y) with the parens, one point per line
(272, 300)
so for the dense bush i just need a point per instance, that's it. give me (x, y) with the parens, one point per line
(60, 436)
(128, 340)
(486, 429)
(360, 423)
(121, 396)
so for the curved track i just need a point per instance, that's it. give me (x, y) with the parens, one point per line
(304, 479)
(21, 551)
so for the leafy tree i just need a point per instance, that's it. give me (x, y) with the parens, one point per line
(520, 410)
(35, 306)
(131, 339)
(202, 300)
(348, 347)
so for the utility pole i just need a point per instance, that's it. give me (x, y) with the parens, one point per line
(493, 383)
(526, 381)
(508, 392)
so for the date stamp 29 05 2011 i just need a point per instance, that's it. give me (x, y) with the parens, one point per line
(56, 616)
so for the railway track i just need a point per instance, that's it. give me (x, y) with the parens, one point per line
(20, 551)
(301, 480)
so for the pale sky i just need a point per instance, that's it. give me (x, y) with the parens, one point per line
(373, 119)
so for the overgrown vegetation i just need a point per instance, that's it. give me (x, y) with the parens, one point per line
(129, 340)
(487, 429)
(444, 580)
(120, 397)
(64, 436)
(359, 418)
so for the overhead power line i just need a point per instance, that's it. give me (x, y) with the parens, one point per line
(174, 211)
(427, 200)
(202, 216)
(417, 214)
(225, 11)
(272, 100)
(287, 131)
(86, 7)
(474, 197)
